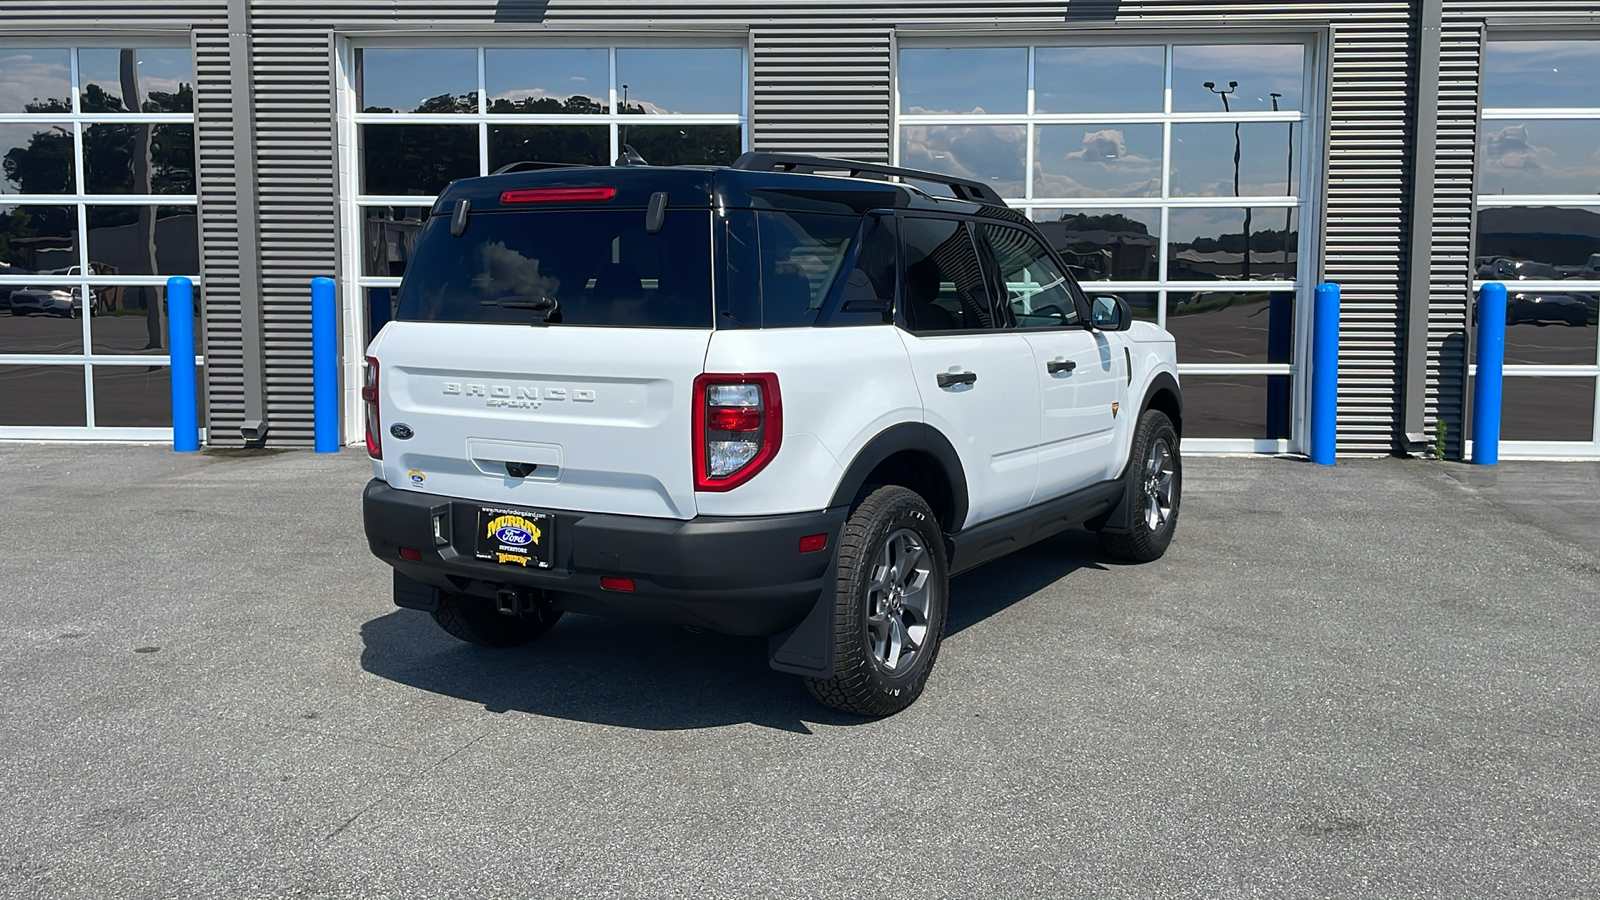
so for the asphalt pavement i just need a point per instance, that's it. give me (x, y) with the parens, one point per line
(1375, 680)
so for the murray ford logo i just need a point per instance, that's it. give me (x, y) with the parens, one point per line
(514, 530)
(508, 396)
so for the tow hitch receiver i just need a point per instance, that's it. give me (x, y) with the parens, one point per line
(514, 601)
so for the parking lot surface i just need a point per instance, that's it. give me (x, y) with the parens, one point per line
(1378, 679)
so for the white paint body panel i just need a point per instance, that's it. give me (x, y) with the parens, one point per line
(1078, 427)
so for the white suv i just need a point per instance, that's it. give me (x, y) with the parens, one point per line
(761, 400)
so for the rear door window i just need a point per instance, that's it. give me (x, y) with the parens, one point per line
(944, 287)
(576, 267)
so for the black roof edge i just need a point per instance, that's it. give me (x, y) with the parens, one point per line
(965, 189)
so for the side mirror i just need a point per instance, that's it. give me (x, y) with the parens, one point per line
(1111, 313)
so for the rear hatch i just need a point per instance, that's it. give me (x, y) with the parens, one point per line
(545, 357)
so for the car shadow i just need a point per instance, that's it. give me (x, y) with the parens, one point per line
(657, 677)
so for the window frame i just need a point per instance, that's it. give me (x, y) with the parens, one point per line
(991, 259)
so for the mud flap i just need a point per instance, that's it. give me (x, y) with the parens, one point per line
(1115, 520)
(807, 648)
(412, 594)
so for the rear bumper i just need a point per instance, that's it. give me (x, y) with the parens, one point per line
(738, 575)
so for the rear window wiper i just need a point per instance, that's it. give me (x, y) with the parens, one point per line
(546, 305)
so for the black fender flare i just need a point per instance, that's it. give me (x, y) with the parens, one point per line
(1116, 519)
(913, 436)
(1163, 381)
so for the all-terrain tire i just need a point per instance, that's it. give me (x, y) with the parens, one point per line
(1154, 480)
(476, 621)
(891, 569)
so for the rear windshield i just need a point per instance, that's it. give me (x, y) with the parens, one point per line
(596, 267)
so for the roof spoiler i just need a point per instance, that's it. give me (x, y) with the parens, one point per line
(964, 189)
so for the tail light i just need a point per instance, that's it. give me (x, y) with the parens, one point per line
(738, 424)
(369, 401)
(560, 195)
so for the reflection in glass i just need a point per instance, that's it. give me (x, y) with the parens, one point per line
(1542, 409)
(963, 80)
(588, 145)
(416, 160)
(994, 154)
(34, 238)
(1539, 157)
(1207, 244)
(1526, 74)
(686, 145)
(1097, 161)
(133, 396)
(1234, 406)
(547, 81)
(128, 80)
(1203, 159)
(41, 317)
(381, 304)
(132, 320)
(138, 159)
(699, 80)
(35, 80)
(388, 237)
(1230, 328)
(1098, 79)
(36, 159)
(417, 80)
(42, 395)
(1551, 328)
(143, 240)
(1260, 71)
(1521, 243)
(1105, 244)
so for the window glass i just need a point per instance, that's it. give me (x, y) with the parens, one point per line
(800, 257)
(1544, 409)
(871, 281)
(944, 284)
(963, 80)
(598, 267)
(1540, 157)
(1207, 244)
(418, 80)
(115, 156)
(1097, 161)
(43, 395)
(684, 145)
(133, 396)
(697, 80)
(994, 154)
(42, 315)
(1523, 243)
(1105, 244)
(131, 80)
(588, 145)
(35, 80)
(547, 81)
(131, 320)
(37, 237)
(1203, 159)
(37, 159)
(1230, 327)
(1035, 287)
(416, 160)
(1099, 79)
(1236, 406)
(1257, 70)
(389, 237)
(1528, 74)
(1551, 327)
(143, 240)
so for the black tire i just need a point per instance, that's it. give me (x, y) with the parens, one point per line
(476, 621)
(1148, 535)
(893, 524)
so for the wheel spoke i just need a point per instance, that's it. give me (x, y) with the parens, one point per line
(896, 644)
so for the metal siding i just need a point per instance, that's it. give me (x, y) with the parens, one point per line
(826, 92)
(219, 237)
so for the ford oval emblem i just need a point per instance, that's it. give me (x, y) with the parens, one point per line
(511, 534)
(401, 430)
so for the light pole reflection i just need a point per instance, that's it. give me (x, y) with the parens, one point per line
(1211, 86)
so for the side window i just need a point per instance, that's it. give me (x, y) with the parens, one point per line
(1035, 287)
(800, 257)
(944, 285)
(864, 295)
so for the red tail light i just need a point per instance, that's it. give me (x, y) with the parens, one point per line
(369, 400)
(560, 195)
(738, 425)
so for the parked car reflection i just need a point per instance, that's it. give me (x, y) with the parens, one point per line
(1540, 308)
(59, 300)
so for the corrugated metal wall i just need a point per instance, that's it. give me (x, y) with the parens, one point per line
(218, 179)
(822, 91)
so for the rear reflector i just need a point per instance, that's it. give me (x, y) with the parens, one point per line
(560, 195)
(409, 553)
(811, 543)
(616, 584)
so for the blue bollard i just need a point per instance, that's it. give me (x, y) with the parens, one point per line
(180, 338)
(1325, 375)
(325, 365)
(1487, 385)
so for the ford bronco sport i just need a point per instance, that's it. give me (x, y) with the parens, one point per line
(786, 398)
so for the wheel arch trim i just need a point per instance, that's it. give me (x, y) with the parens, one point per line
(907, 436)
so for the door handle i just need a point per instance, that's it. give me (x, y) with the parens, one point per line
(1059, 365)
(951, 379)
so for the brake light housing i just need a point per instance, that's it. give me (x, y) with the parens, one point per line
(369, 402)
(738, 427)
(559, 195)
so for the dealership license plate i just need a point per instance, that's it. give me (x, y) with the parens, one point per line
(515, 537)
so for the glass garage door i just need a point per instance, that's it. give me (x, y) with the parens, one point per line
(1538, 231)
(1171, 174)
(97, 209)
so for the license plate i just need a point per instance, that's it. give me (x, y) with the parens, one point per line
(515, 537)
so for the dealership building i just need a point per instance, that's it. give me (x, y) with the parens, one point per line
(1210, 162)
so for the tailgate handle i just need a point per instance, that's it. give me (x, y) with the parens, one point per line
(520, 470)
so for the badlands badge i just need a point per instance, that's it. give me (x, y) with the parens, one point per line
(515, 537)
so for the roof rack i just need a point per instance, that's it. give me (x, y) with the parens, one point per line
(532, 165)
(964, 189)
